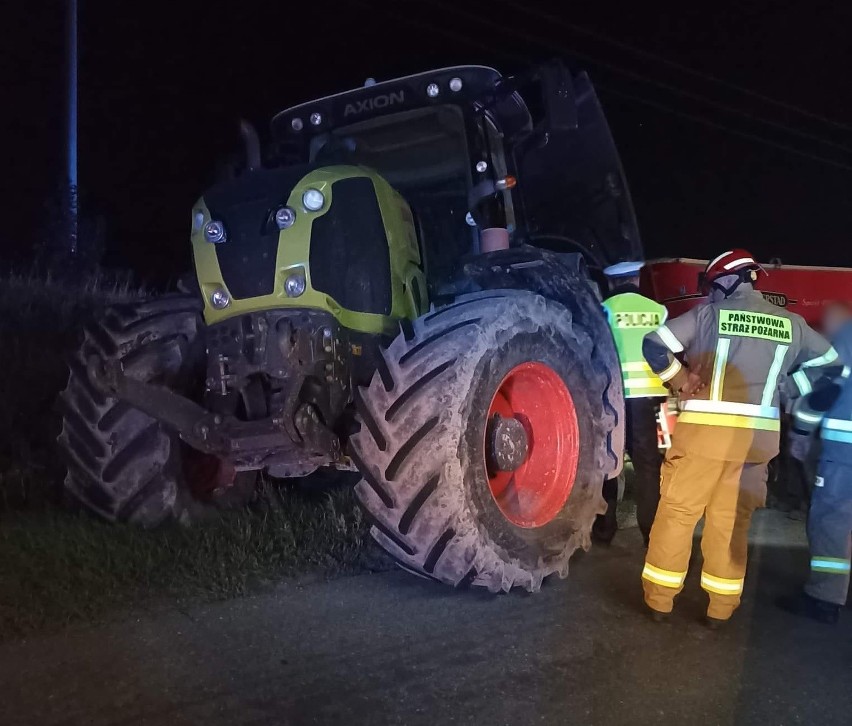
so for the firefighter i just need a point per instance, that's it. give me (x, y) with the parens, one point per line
(829, 408)
(631, 316)
(738, 348)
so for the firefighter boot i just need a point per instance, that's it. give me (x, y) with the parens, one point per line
(658, 617)
(713, 623)
(806, 606)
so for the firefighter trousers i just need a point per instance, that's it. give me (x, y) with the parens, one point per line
(726, 493)
(830, 533)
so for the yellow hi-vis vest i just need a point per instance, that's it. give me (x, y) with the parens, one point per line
(631, 317)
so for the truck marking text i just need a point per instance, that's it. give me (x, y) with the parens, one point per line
(755, 325)
(376, 102)
(638, 320)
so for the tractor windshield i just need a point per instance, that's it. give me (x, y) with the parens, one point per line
(424, 154)
(410, 149)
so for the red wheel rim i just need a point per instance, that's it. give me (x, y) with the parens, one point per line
(532, 494)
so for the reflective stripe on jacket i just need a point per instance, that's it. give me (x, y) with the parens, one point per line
(742, 348)
(830, 406)
(631, 317)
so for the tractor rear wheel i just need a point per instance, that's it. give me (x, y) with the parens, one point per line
(483, 441)
(122, 464)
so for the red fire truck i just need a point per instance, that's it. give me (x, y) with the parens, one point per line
(803, 290)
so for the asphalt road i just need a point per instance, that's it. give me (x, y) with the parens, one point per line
(393, 649)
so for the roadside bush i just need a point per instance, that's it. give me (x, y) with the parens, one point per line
(40, 319)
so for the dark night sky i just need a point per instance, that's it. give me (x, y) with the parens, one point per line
(162, 87)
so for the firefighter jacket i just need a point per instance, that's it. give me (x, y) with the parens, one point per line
(829, 406)
(631, 317)
(742, 348)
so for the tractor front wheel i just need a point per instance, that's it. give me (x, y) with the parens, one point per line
(483, 441)
(122, 464)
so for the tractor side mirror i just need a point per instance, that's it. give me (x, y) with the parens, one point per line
(560, 104)
(548, 97)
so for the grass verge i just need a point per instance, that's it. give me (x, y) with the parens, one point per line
(57, 568)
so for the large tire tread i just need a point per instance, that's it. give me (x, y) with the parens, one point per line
(402, 448)
(121, 463)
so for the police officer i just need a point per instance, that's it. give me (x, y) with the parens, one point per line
(829, 407)
(632, 316)
(737, 348)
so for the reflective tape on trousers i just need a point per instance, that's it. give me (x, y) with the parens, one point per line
(666, 578)
(838, 430)
(730, 420)
(840, 437)
(721, 585)
(741, 409)
(831, 565)
(838, 424)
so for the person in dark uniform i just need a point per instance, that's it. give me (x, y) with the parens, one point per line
(828, 407)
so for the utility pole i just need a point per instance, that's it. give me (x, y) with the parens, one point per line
(72, 202)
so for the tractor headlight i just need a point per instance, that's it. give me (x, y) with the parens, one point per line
(456, 84)
(214, 232)
(313, 199)
(433, 90)
(220, 299)
(295, 284)
(284, 217)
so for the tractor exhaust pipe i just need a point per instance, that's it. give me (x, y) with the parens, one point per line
(252, 145)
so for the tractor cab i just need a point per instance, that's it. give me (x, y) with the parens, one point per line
(435, 137)
(469, 153)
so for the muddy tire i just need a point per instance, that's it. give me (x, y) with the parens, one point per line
(122, 464)
(432, 490)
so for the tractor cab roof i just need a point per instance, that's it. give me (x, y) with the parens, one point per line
(470, 85)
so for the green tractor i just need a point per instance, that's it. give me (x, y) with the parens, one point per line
(405, 281)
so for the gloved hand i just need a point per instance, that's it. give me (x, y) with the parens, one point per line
(687, 382)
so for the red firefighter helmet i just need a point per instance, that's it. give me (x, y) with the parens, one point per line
(730, 263)
(733, 262)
